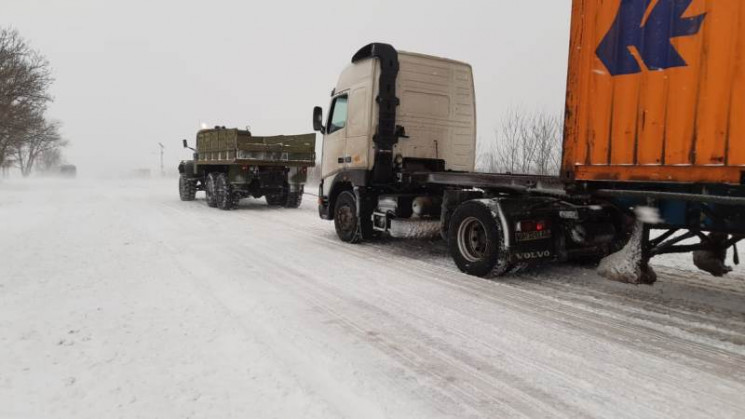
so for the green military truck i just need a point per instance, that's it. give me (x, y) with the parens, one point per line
(232, 164)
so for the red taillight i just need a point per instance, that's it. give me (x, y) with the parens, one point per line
(529, 225)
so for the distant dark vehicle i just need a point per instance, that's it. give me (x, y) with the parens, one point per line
(141, 173)
(68, 171)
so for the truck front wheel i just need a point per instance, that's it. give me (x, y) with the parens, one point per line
(186, 188)
(346, 222)
(350, 227)
(476, 241)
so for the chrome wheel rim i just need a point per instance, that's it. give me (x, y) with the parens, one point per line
(472, 240)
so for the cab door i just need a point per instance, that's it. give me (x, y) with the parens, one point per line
(335, 138)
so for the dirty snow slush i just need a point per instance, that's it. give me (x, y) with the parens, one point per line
(118, 300)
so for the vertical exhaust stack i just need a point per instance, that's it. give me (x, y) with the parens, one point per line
(387, 134)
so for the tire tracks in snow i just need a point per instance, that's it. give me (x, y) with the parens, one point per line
(619, 322)
(476, 385)
(612, 326)
(537, 296)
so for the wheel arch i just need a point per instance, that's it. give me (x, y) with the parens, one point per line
(496, 260)
(336, 189)
(346, 180)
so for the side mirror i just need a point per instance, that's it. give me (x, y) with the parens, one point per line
(318, 120)
(186, 144)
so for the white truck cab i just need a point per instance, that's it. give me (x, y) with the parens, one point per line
(392, 113)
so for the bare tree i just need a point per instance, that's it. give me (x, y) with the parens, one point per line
(6, 166)
(546, 137)
(25, 78)
(525, 143)
(40, 137)
(50, 159)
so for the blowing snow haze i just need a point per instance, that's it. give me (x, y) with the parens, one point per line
(132, 74)
(449, 254)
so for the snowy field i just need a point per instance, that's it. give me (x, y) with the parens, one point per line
(118, 300)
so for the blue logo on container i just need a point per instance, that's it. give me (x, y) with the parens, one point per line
(652, 38)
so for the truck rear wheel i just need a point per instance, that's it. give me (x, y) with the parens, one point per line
(476, 241)
(224, 194)
(294, 199)
(186, 188)
(276, 199)
(209, 189)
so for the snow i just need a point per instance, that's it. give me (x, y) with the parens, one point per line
(118, 300)
(414, 229)
(626, 265)
(648, 215)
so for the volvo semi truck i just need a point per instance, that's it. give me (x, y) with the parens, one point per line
(399, 147)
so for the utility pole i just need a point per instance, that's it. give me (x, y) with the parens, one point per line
(162, 149)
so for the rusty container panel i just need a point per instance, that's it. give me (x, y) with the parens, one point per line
(656, 91)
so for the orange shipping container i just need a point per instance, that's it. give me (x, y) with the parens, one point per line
(656, 91)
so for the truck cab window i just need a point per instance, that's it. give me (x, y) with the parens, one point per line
(338, 118)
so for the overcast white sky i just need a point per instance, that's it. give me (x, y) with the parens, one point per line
(134, 73)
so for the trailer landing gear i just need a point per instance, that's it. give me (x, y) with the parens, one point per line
(631, 264)
(713, 259)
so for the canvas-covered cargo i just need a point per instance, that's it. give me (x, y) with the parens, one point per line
(228, 146)
(656, 91)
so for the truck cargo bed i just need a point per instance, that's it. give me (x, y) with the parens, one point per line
(232, 146)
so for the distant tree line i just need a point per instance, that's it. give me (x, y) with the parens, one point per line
(28, 138)
(524, 143)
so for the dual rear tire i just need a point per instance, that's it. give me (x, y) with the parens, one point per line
(225, 195)
(210, 189)
(285, 198)
(476, 241)
(294, 199)
(220, 193)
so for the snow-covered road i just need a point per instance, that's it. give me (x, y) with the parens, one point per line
(118, 300)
